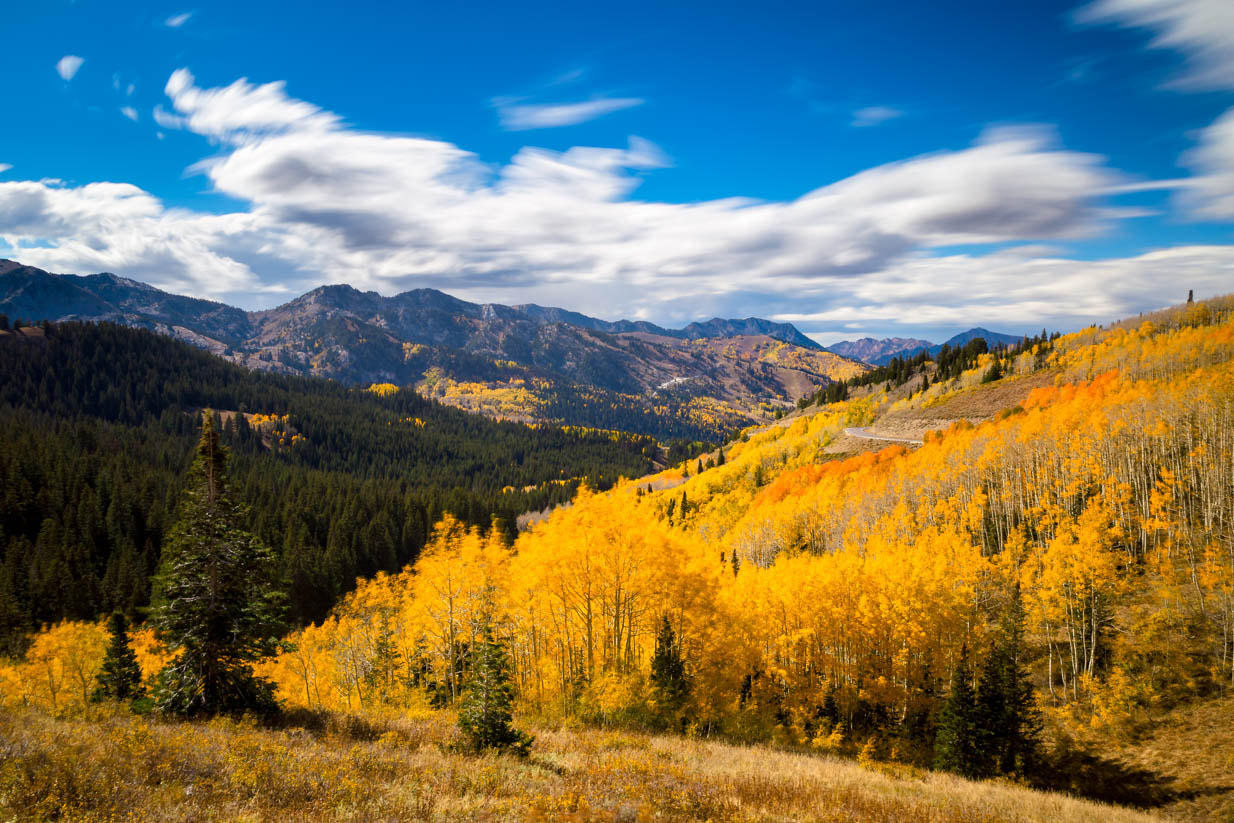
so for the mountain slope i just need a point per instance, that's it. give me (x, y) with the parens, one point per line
(96, 421)
(528, 362)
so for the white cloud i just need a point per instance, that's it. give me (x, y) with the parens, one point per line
(1201, 29)
(166, 119)
(1211, 193)
(5, 167)
(118, 227)
(327, 203)
(523, 116)
(1016, 291)
(68, 65)
(178, 20)
(129, 112)
(874, 115)
(241, 111)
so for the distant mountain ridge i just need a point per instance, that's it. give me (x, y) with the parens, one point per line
(40, 294)
(877, 352)
(525, 362)
(881, 352)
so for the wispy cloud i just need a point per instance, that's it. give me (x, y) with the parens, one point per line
(517, 116)
(177, 20)
(166, 119)
(391, 212)
(5, 167)
(1136, 187)
(874, 115)
(1212, 194)
(241, 112)
(130, 113)
(68, 65)
(1203, 30)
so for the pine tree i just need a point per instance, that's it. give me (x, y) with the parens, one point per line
(668, 670)
(120, 677)
(1007, 706)
(958, 747)
(486, 717)
(216, 602)
(995, 372)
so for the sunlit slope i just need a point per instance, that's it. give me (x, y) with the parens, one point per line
(354, 769)
(822, 602)
(797, 579)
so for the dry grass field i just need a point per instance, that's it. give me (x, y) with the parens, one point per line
(345, 768)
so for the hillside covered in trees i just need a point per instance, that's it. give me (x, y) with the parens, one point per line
(96, 427)
(1032, 590)
(526, 363)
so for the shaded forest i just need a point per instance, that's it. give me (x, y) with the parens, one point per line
(97, 422)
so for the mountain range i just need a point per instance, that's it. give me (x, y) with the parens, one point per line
(523, 362)
(881, 352)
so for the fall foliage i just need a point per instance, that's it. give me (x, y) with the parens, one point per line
(834, 602)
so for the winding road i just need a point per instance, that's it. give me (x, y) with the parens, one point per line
(866, 434)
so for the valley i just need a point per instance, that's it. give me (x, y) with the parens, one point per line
(831, 583)
(525, 363)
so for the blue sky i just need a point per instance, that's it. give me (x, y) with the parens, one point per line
(857, 169)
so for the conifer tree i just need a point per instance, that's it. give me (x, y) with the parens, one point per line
(216, 602)
(486, 716)
(668, 670)
(1006, 705)
(120, 677)
(958, 747)
(995, 372)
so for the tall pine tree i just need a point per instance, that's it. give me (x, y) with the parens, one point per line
(668, 670)
(217, 604)
(959, 745)
(668, 673)
(120, 676)
(486, 716)
(1006, 704)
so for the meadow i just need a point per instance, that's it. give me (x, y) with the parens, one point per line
(339, 767)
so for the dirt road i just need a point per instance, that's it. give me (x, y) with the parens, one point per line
(866, 434)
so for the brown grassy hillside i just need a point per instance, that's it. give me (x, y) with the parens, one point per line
(339, 768)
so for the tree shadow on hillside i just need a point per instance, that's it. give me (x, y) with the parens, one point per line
(321, 723)
(1085, 774)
